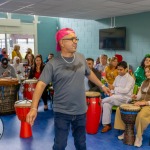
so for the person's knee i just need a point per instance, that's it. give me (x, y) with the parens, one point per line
(140, 116)
(106, 105)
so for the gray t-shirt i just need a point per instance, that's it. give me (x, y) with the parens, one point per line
(68, 83)
(9, 69)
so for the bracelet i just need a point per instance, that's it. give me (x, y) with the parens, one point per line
(103, 86)
(34, 108)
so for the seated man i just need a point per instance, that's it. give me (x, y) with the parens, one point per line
(122, 89)
(6, 70)
(143, 117)
(90, 86)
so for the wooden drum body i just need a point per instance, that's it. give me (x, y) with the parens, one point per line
(94, 111)
(22, 108)
(29, 87)
(8, 95)
(128, 115)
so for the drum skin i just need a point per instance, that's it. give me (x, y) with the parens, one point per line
(8, 95)
(29, 87)
(94, 111)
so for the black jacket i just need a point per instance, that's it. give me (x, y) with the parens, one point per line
(92, 86)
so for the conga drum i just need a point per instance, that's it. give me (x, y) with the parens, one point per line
(94, 111)
(8, 95)
(22, 108)
(128, 115)
(29, 87)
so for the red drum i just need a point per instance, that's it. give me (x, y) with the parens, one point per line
(94, 112)
(29, 87)
(22, 108)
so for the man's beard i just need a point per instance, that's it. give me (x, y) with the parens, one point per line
(4, 67)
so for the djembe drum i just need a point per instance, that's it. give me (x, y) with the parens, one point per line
(29, 87)
(22, 108)
(94, 112)
(8, 95)
(128, 115)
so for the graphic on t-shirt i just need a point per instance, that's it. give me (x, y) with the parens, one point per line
(74, 67)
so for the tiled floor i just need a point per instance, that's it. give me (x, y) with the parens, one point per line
(43, 134)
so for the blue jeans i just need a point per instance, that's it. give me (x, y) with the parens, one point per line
(62, 124)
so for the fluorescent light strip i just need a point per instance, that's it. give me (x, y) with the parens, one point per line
(23, 7)
(5, 3)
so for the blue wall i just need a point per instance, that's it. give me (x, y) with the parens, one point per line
(47, 29)
(138, 36)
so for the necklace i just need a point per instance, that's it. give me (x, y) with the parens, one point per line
(68, 61)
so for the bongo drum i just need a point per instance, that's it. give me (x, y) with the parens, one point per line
(94, 112)
(22, 108)
(128, 115)
(8, 95)
(29, 87)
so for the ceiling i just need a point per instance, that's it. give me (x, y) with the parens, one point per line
(81, 9)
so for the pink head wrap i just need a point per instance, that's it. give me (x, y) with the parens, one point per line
(60, 34)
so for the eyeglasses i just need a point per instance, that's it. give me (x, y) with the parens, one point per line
(73, 39)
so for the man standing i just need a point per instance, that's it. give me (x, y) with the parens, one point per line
(90, 86)
(66, 72)
(122, 89)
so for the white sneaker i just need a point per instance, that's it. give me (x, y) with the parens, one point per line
(121, 137)
(138, 142)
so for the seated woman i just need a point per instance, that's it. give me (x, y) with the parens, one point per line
(30, 62)
(35, 73)
(143, 117)
(139, 72)
(19, 69)
(29, 51)
(111, 71)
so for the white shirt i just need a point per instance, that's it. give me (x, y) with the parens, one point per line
(124, 85)
(19, 67)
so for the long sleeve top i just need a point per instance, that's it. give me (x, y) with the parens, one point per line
(124, 85)
(139, 95)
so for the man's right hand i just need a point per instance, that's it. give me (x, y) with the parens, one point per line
(106, 90)
(31, 116)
